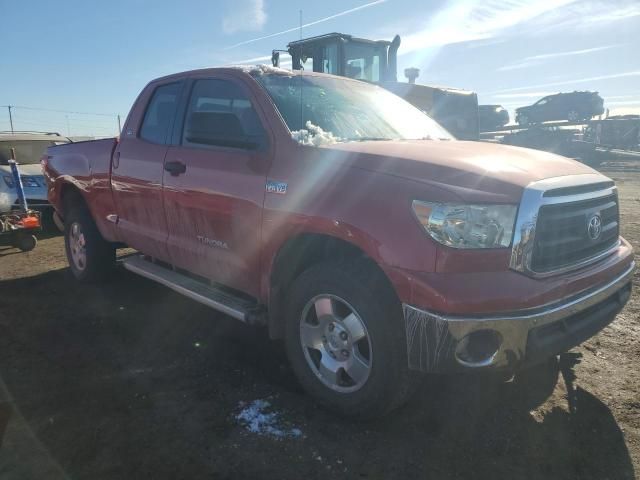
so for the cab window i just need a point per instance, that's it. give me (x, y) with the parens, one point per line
(220, 114)
(160, 113)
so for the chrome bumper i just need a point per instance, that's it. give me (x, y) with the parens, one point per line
(433, 339)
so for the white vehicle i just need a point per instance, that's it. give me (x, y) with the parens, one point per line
(29, 148)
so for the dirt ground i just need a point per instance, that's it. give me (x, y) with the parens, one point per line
(129, 380)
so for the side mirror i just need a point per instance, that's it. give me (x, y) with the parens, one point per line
(275, 58)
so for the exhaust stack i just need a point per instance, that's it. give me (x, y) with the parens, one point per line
(411, 73)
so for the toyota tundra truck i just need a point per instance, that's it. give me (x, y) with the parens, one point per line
(350, 225)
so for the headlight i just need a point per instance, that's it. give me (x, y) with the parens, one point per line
(467, 226)
(8, 180)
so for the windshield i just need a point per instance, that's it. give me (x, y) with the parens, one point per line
(362, 61)
(28, 152)
(347, 110)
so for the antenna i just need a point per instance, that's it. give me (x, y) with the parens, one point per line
(301, 84)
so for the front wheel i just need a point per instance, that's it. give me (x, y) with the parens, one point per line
(345, 340)
(90, 256)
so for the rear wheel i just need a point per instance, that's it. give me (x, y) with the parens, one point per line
(573, 116)
(90, 256)
(345, 340)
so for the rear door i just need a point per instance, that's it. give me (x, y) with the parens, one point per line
(214, 183)
(138, 169)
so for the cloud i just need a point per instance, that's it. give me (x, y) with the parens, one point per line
(245, 16)
(463, 21)
(570, 82)
(253, 60)
(627, 102)
(315, 22)
(586, 15)
(539, 59)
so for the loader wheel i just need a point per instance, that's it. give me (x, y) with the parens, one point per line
(345, 340)
(25, 242)
(90, 256)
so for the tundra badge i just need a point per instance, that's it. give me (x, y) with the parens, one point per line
(212, 242)
(276, 187)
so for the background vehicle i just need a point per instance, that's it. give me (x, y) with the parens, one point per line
(374, 244)
(550, 139)
(619, 131)
(573, 106)
(491, 117)
(376, 61)
(29, 148)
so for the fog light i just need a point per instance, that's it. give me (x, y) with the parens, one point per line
(479, 348)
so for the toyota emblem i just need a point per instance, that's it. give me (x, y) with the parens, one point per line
(594, 227)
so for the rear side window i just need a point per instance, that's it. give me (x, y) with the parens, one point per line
(160, 113)
(220, 114)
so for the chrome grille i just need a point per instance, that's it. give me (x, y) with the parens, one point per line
(562, 232)
(552, 233)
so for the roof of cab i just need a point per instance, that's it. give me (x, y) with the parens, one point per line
(248, 69)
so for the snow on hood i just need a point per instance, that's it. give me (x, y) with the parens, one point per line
(262, 69)
(314, 136)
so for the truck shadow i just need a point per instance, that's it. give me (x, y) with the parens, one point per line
(128, 379)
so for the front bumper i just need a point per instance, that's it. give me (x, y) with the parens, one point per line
(435, 341)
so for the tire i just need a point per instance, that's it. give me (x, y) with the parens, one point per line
(358, 302)
(25, 242)
(91, 257)
(573, 116)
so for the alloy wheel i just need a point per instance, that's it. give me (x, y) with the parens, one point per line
(336, 343)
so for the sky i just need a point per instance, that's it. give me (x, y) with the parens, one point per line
(73, 66)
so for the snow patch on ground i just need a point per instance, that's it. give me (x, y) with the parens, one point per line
(260, 417)
(314, 136)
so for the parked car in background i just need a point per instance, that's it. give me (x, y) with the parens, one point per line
(492, 117)
(550, 139)
(356, 229)
(29, 148)
(618, 131)
(573, 106)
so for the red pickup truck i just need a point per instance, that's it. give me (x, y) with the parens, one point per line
(351, 225)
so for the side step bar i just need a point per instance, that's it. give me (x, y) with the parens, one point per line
(236, 307)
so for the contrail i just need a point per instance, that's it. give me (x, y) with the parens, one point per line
(315, 22)
(570, 82)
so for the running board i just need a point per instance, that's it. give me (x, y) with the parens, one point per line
(234, 306)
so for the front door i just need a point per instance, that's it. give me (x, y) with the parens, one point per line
(214, 185)
(138, 170)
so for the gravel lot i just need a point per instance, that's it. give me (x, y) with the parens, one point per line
(129, 380)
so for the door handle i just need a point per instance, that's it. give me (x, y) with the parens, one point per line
(175, 168)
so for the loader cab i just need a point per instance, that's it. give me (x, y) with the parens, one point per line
(344, 55)
(375, 61)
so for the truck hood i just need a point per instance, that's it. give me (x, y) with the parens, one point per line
(469, 169)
